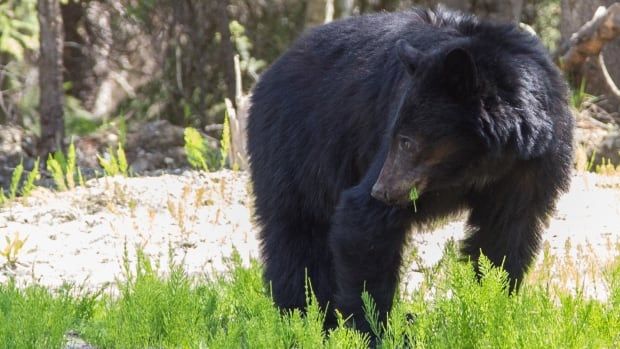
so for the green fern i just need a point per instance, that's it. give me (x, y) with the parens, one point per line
(123, 166)
(70, 168)
(371, 313)
(195, 149)
(54, 166)
(109, 165)
(64, 168)
(33, 176)
(15, 179)
(116, 162)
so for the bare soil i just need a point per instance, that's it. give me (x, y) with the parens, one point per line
(197, 219)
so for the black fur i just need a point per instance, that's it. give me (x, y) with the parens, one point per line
(349, 110)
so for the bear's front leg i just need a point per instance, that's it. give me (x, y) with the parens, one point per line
(366, 240)
(507, 220)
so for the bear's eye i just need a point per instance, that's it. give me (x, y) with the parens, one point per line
(406, 143)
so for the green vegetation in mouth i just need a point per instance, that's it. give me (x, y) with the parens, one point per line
(413, 196)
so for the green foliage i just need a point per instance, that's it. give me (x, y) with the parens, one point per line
(35, 317)
(64, 169)
(247, 63)
(15, 180)
(579, 96)
(414, 196)
(54, 166)
(78, 121)
(12, 248)
(547, 22)
(19, 27)
(115, 163)
(169, 309)
(32, 177)
(195, 149)
(70, 169)
(590, 164)
(466, 313)
(372, 314)
(607, 167)
(198, 153)
(122, 129)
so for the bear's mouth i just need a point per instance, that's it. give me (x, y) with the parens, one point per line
(399, 195)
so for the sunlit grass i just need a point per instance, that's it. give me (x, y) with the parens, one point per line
(152, 308)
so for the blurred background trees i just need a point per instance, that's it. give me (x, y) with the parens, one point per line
(125, 62)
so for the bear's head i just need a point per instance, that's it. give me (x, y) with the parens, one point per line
(433, 143)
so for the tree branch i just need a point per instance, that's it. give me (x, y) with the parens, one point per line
(590, 39)
(613, 88)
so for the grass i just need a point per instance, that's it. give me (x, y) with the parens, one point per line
(579, 96)
(168, 309)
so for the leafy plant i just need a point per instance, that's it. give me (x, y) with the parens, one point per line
(15, 179)
(243, 45)
(12, 249)
(18, 27)
(55, 167)
(115, 164)
(607, 168)
(33, 176)
(413, 196)
(64, 169)
(590, 164)
(35, 317)
(372, 314)
(195, 149)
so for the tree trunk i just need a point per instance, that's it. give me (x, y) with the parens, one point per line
(575, 13)
(78, 63)
(227, 52)
(50, 77)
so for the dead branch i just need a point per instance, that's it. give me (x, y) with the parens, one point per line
(608, 79)
(590, 39)
(237, 118)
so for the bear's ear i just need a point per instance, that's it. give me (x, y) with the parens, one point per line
(408, 55)
(460, 74)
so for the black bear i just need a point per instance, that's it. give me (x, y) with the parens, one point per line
(471, 114)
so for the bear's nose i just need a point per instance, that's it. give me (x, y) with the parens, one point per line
(378, 192)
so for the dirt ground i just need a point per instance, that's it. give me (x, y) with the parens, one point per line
(197, 219)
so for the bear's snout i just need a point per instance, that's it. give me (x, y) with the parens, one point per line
(381, 193)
